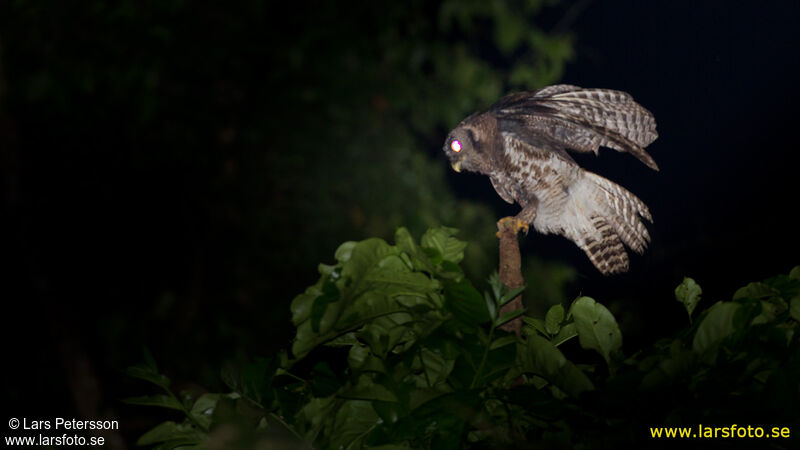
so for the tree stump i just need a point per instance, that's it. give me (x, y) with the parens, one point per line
(510, 270)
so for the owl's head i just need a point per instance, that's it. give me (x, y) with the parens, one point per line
(469, 146)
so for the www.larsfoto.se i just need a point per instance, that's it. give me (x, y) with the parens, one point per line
(733, 431)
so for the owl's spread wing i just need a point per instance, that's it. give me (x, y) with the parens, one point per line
(565, 116)
(598, 215)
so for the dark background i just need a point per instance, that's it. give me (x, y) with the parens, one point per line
(173, 173)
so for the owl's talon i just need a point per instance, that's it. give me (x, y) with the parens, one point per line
(511, 223)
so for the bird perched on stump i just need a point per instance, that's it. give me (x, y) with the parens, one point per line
(521, 143)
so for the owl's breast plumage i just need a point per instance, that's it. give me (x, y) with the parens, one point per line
(534, 175)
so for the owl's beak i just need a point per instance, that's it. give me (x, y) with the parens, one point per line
(456, 165)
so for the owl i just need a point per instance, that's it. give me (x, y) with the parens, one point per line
(521, 143)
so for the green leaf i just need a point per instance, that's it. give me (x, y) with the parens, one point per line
(353, 421)
(441, 239)
(315, 414)
(499, 360)
(440, 420)
(536, 324)
(794, 309)
(500, 294)
(302, 304)
(688, 293)
(330, 294)
(325, 314)
(756, 290)
(149, 360)
(256, 380)
(304, 340)
(160, 400)
(433, 255)
(566, 333)
(553, 319)
(205, 404)
(679, 363)
(769, 311)
(508, 316)
(345, 340)
(786, 285)
(597, 329)
(497, 286)
(544, 359)
(203, 409)
(715, 327)
(396, 282)
(419, 396)
(547, 360)
(503, 341)
(344, 251)
(231, 376)
(748, 310)
(365, 255)
(404, 241)
(367, 389)
(358, 354)
(435, 366)
(450, 271)
(169, 431)
(510, 295)
(317, 310)
(361, 359)
(384, 333)
(795, 273)
(465, 302)
(323, 382)
(389, 412)
(328, 270)
(491, 307)
(147, 373)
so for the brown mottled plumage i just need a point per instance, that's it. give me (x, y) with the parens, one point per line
(521, 143)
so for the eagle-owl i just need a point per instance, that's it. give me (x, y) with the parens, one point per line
(521, 143)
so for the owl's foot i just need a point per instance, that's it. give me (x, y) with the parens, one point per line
(511, 223)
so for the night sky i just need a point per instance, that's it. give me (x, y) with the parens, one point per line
(720, 78)
(84, 228)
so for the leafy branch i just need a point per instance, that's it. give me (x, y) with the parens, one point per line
(396, 349)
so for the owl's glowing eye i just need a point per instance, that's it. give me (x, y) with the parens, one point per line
(455, 145)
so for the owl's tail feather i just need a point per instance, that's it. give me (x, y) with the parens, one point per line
(604, 248)
(615, 216)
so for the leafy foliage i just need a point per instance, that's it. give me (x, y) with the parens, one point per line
(688, 293)
(252, 121)
(395, 348)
